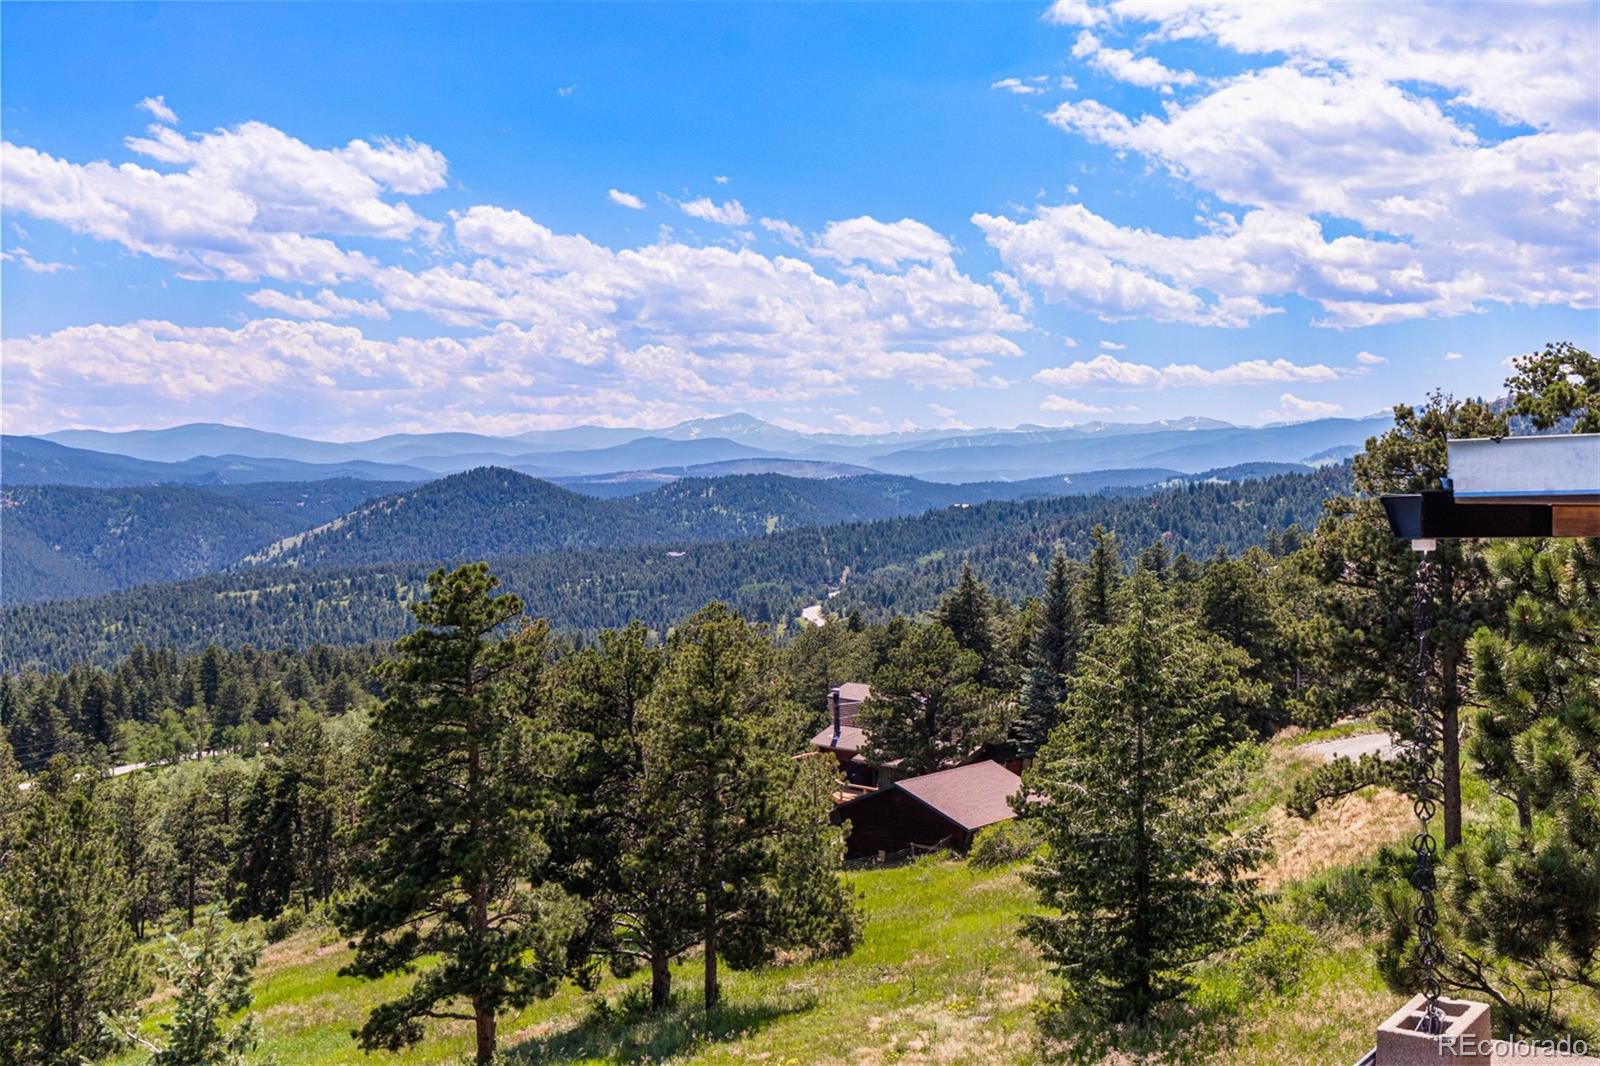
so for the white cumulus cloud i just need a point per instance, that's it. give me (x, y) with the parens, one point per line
(157, 106)
(325, 304)
(1107, 371)
(883, 243)
(1123, 65)
(244, 203)
(1292, 408)
(625, 199)
(727, 213)
(1360, 113)
(1068, 406)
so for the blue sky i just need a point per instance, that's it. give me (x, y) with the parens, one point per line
(345, 220)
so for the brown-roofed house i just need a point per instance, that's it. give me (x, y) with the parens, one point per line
(945, 808)
(846, 740)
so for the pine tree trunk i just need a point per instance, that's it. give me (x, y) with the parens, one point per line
(709, 813)
(660, 979)
(483, 1018)
(713, 992)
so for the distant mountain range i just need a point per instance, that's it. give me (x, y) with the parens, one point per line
(85, 512)
(36, 461)
(219, 454)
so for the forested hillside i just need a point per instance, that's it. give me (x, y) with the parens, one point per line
(61, 541)
(493, 511)
(895, 564)
(64, 542)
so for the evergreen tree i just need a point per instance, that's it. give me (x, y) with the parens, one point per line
(211, 674)
(69, 955)
(269, 705)
(1368, 583)
(1562, 382)
(1052, 657)
(142, 856)
(1235, 603)
(928, 708)
(1156, 560)
(967, 613)
(451, 821)
(720, 806)
(41, 731)
(287, 840)
(13, 803)
(1141, 877)
(597, 833)
(195, 828)
(298, 683)
(1521, 919)
(209, 969)
(819, 658)
(341, 696)
(95, 716)
(233, 704)
(1098, 592)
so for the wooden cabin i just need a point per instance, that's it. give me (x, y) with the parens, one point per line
(943, 809)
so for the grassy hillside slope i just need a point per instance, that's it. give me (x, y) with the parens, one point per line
(941, 975)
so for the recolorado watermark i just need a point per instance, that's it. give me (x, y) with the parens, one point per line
(1468, 1044)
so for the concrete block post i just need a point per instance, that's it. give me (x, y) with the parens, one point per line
(1466, 1040)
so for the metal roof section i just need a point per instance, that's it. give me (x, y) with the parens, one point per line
(1560, 468)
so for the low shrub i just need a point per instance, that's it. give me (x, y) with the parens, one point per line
(1003, 843)
(288, 921)
(1276, 960)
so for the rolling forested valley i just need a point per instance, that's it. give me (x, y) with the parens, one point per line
(482, 764)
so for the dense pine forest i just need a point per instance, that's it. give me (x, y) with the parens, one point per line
(65, 541)
(879, 567)
(570, 770)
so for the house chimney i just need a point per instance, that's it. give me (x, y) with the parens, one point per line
(838, 726)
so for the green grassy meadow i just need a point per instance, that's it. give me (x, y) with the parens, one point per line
(940, 977)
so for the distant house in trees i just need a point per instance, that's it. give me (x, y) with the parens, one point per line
(1005, 752)
(945, 809)
(846, 741)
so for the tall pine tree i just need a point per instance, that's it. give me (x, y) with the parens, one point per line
(1097, 594)
(928, 707)
(597, 832)
(969, 616)
(1142, 876)
(67, 950)
(1052, 655)
(451, 822)
(721, 813)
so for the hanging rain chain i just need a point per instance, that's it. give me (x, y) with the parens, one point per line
(1430, 956)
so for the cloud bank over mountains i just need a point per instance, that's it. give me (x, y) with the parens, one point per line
(1373, 163)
